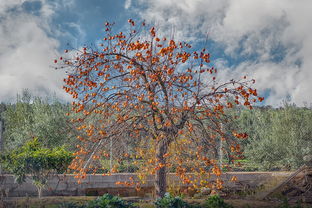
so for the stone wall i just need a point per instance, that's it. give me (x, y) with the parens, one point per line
(66, 185)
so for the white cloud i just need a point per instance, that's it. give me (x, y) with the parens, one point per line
(127, 4)
(249, 28)
(6, 5)
(27, 52)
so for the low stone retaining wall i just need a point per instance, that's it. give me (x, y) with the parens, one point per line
(66, 185)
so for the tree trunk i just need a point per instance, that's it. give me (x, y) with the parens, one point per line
(160, 175)
(39, 188)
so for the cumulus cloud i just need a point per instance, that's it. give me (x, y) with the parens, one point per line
(27, 51)
(270, 40)
(127, 4)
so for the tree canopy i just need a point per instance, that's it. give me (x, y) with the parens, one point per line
(32, 116)
(159, 93)
(37, 161)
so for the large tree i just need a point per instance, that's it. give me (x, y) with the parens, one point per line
(158, 93)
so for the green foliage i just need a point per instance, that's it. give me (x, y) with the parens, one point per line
(2, 109)
(108, 201)
(216, 202)
(33, 117)
(169, 201)
(105, 201)
(127, 168)
(122, 166)
(278, 138)
(37, 161)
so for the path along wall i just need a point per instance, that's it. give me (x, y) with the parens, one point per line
(66, 185)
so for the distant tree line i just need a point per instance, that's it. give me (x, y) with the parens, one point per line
(278, 139)
(35, 117)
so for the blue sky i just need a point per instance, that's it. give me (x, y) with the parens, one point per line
(264, 39)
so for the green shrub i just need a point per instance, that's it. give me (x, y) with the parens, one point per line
(109, 201)
(169, 201)
(37, 161)
(216, 202)
(127, 168)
